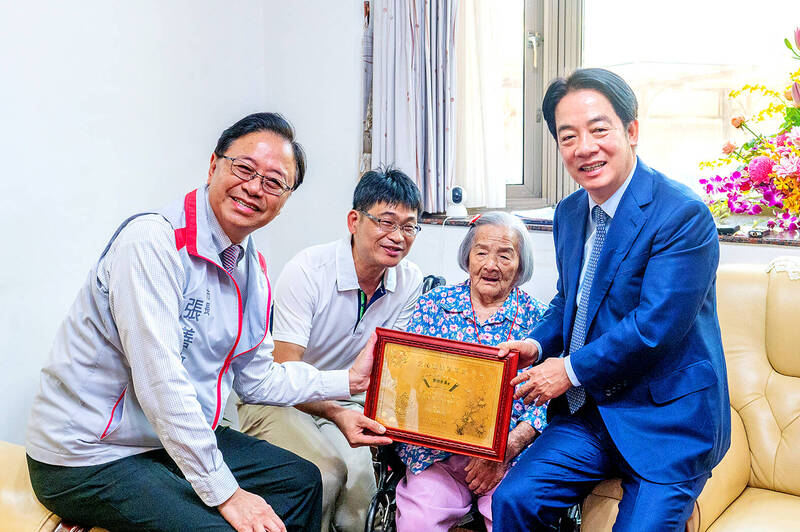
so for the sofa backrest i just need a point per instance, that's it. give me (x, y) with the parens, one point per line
(759, 314)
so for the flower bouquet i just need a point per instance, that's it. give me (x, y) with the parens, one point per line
(766, 180)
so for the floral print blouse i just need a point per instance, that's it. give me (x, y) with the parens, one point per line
(446, 312)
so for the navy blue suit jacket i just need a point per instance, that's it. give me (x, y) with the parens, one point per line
(653, 359)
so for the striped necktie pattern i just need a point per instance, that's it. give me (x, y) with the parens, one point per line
(230, 257)
(576, 395)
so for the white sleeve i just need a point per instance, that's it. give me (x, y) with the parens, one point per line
(260, 380)
(404, 317)
(145, 282)
(295, 299)
(571, 372)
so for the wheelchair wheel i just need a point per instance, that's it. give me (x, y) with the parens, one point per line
(571, 521)
(380, 516)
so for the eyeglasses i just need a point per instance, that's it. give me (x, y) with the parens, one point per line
(245, 172)
(388, 226)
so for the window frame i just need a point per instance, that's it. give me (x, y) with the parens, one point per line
(559, 23)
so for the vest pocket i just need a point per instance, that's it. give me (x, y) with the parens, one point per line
(115, 419)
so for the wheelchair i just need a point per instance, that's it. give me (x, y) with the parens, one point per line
(389, 471)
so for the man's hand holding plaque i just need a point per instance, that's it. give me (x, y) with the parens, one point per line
(360, 371)
(356, 427)
(543, 381)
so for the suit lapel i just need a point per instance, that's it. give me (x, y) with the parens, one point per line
(573, 239)
(625, 227)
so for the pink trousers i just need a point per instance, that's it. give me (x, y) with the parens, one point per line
(438, 498)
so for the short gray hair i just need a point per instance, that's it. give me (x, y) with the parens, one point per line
(524, 244)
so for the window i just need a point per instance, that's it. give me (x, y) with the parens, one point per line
(537, 42)
(682, 59)
(683, 68)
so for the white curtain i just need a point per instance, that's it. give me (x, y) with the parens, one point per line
(366, 92)
(479, 142)
(413, 92)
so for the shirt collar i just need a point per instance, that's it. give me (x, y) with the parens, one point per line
(457, 299)
(346, 278)
(610, 205)
(219, 239)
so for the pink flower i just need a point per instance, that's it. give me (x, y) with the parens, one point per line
(793, 136)
(789, 165)
(772, 197)
(796, 94)
(728, 148)
(797, 38)
(759, 169)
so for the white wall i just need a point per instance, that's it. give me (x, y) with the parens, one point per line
(112, 108)
(313, 64)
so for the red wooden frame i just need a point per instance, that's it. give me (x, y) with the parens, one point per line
(506, 392)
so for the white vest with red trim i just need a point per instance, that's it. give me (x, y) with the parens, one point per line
(85, 412)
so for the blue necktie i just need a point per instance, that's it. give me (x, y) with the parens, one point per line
(576, 395)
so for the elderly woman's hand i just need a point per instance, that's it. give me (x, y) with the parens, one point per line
(483, 475)
(528, 352)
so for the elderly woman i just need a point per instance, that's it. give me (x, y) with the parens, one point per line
(488, 308)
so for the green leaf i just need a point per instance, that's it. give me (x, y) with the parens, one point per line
(791, 117)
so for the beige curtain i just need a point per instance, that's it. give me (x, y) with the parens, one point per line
(414, 92)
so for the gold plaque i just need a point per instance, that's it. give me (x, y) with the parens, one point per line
(441, 393)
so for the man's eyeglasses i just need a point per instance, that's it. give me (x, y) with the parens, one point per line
(388, 226)
(245, 172)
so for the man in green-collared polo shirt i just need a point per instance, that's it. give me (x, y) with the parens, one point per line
(328, 300)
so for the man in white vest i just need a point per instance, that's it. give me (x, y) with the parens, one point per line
(328, 300)
(124, 431)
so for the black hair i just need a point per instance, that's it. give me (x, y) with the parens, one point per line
(610, 85)
(273, 122)
(386, 185)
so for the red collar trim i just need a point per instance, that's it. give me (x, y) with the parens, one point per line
(187, 237)
(263, 265)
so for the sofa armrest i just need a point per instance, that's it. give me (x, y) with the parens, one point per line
(19, 508)
(600, 507)
(729, 479)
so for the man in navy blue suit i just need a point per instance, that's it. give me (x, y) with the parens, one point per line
(629, 352)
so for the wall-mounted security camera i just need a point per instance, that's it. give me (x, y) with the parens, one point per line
(455, 203)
